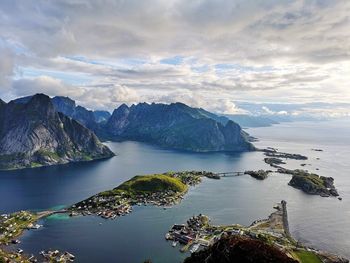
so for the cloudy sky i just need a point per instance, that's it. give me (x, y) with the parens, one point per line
(212, 54)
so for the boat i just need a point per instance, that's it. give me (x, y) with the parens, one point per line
(174, 244)
(36, 226)
(194, 248)
(15, 241)
(167, 236)
(69, 255)
(20, 251)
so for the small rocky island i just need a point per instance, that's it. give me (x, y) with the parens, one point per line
(260, 174)
(311, 183)
(275, 158)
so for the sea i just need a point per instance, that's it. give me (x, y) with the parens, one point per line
(319, 222)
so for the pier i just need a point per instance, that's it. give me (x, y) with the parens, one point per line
(285, 220)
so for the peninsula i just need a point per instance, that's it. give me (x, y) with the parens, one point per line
(265, 240)
(165, 189)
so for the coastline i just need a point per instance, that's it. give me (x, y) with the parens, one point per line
(84, 212)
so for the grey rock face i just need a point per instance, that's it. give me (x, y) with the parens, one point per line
(68, 107)
(35, 134)
(176, 126)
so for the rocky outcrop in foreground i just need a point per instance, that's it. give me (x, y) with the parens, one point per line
(33, 134)
(240, 249)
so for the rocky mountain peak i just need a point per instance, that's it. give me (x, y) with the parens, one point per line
(33, 133)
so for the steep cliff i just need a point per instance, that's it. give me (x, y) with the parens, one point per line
(176, 126)
(33, 133)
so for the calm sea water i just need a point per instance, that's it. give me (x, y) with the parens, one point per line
(321, 222)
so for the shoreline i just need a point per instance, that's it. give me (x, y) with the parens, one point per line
(199, 234)
(175, 200)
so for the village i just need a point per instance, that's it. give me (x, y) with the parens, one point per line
(198, 233)
(13, 225)
(111, 205)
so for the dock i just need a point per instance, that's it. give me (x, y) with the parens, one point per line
(285, 219)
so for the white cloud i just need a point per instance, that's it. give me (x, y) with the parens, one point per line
(6, 68)
(107, 52)
(106, 98)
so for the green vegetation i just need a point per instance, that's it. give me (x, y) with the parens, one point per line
(51, 155)
(151, 183)
(312, 178)
(306, 256)
(35, 164)
(11, 226)
(312, 183)
(8, 161)
(148, 184)
(86, 157)
(11, 257)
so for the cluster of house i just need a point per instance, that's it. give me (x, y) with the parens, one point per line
(57, 256)
(10, 224)
(194, 177)
(165, 198)
(196, 232)
(110, 207)
(105, 207)
(120, 210)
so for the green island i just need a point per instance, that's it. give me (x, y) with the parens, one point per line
(165, 189)
(311, 183)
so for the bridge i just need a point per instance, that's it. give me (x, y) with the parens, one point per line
(47, 213)
(229, 174)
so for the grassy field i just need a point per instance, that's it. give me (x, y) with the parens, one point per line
(307, 257)
(153, 183)
(149, 184)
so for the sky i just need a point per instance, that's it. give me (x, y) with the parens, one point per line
(218, 54)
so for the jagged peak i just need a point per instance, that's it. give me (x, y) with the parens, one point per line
(66, 98)
(121, 108)
(40, 97)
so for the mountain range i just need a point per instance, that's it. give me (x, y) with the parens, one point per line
(176, 126)
(39, 130)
